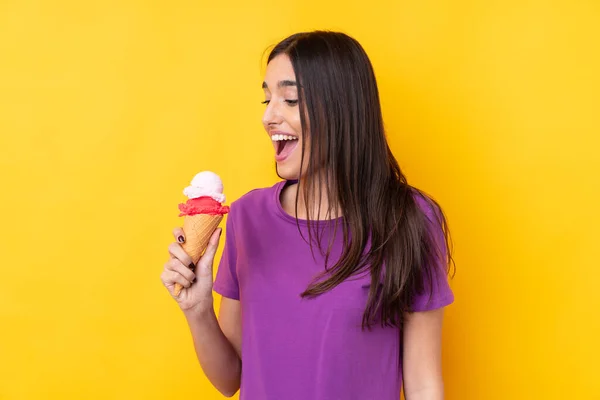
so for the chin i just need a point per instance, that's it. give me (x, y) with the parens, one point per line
(287, 172)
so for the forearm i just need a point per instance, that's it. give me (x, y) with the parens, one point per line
(434, 391)
(218, 358)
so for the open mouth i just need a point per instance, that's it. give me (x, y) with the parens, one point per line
(284, 146)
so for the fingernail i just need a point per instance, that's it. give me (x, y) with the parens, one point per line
(192, 266)
(180, 239)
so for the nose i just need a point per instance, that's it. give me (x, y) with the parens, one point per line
(272, 115)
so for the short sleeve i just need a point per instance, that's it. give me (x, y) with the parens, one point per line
(226, 281)
(437, 293)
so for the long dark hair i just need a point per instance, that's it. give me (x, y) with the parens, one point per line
(384, 230)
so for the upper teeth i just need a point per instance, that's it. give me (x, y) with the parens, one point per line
(277, 138)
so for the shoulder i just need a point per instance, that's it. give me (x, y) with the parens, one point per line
(255, 196)
(255, 200)
(427, 205)
(253, 211)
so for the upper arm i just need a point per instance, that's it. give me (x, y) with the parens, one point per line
(226, 284)
(230, 321)
(422, 330)
(422, 350)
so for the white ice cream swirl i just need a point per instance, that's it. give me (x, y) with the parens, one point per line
(207, 184)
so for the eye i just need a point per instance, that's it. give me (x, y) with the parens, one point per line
(292, 102)
(265, 102)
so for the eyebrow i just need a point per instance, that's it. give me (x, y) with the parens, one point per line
(280, 84)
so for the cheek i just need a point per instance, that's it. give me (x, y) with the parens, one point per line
(296, 125)
(294, 120)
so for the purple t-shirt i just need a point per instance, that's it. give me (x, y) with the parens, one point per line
(295, 348)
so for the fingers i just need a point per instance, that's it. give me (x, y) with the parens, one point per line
(170, 278)
(176, 251)
(179, 235)
(209, 254)
(176, 272)
(177, 266)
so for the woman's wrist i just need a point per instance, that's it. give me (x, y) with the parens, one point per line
(200, 313)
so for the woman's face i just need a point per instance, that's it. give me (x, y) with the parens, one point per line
(282, 117)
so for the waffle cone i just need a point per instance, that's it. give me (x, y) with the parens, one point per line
(198, 229)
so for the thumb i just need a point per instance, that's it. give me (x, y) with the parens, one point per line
(206, 261)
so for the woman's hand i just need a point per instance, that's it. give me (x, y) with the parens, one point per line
(197, 280)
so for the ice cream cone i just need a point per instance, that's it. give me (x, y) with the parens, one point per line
(198, 229)
(203, 212)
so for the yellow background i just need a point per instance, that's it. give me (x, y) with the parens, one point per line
(107, 109)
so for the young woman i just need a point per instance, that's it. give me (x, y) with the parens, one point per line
(334, 279)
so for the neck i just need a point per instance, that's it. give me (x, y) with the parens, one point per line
(317, 212)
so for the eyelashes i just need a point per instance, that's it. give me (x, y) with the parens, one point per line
(289, 102)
